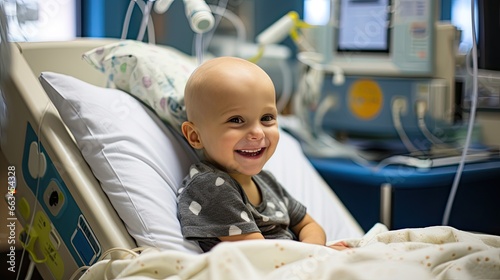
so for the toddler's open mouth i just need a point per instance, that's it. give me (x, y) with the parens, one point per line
(251, 153)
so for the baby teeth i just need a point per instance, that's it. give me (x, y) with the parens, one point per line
(251, 151)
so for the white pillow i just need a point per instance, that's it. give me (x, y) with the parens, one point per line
(138, 161)
(155, 74)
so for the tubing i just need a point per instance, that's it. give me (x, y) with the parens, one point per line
(453, 191)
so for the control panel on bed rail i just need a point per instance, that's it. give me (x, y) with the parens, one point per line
(54, 227)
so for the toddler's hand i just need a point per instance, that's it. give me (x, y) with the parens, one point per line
(341, 245)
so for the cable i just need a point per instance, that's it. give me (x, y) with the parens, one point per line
(198, 38)
(308, 93)
(456, 180)
(241, 32)
(202, 41)
(150, 24)
(398, 106)
(404, 160)
(133, 252)
(200, 44)
(286, 92)
(31, 268)
(146, 13)
(220, 11)
(313, 60)
(126, 20)
(32, 219)
(421, 109)
(258, 55)
(78, 271)
(314, 140)
(326, 104)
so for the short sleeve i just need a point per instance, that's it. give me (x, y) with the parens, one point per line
(296, 210)
(211, 205)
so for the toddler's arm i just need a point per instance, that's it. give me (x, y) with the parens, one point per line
(246, 236)
(309, 231)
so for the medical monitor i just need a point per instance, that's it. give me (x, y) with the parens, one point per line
(379, 37)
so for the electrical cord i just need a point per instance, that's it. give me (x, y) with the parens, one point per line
(126, 20)
(421, 109)
(146, 14)
(31, 269)
(458, 174)
(404, 160)
(202, 41)
(315, 141)
(326, 104)
(313, 59)
(258, 55)
(399, 106)
(134, 253)
(220, 11)
(150, 24)
(37, 189)
(286, 92)
(198, 41)
(241, 32)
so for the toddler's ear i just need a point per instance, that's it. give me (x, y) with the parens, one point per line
(191, 134)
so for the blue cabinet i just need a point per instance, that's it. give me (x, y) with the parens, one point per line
(419, 196)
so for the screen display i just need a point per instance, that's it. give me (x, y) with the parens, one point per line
(364, 25)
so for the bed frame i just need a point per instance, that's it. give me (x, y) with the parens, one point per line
(70, 226)
(67, 220)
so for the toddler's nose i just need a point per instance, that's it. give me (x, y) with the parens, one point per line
(256, 133)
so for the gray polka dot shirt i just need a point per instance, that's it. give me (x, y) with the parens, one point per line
(212, 204)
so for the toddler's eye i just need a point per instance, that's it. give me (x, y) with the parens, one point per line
(267, 118)
(236, 120)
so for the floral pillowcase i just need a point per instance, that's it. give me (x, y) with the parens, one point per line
(154, 74)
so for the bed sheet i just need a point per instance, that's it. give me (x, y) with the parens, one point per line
(426, 253)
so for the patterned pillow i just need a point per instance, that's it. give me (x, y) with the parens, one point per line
(154, 74)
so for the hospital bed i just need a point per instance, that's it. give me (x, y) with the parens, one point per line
(57, 187)
(84, 189)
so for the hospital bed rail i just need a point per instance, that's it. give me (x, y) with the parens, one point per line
(46, 159)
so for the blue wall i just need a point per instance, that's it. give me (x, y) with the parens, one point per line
(446, 9)
(105, 18)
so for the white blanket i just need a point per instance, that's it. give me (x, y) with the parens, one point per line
(427, 253)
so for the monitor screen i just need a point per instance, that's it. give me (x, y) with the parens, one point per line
(364, 25)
